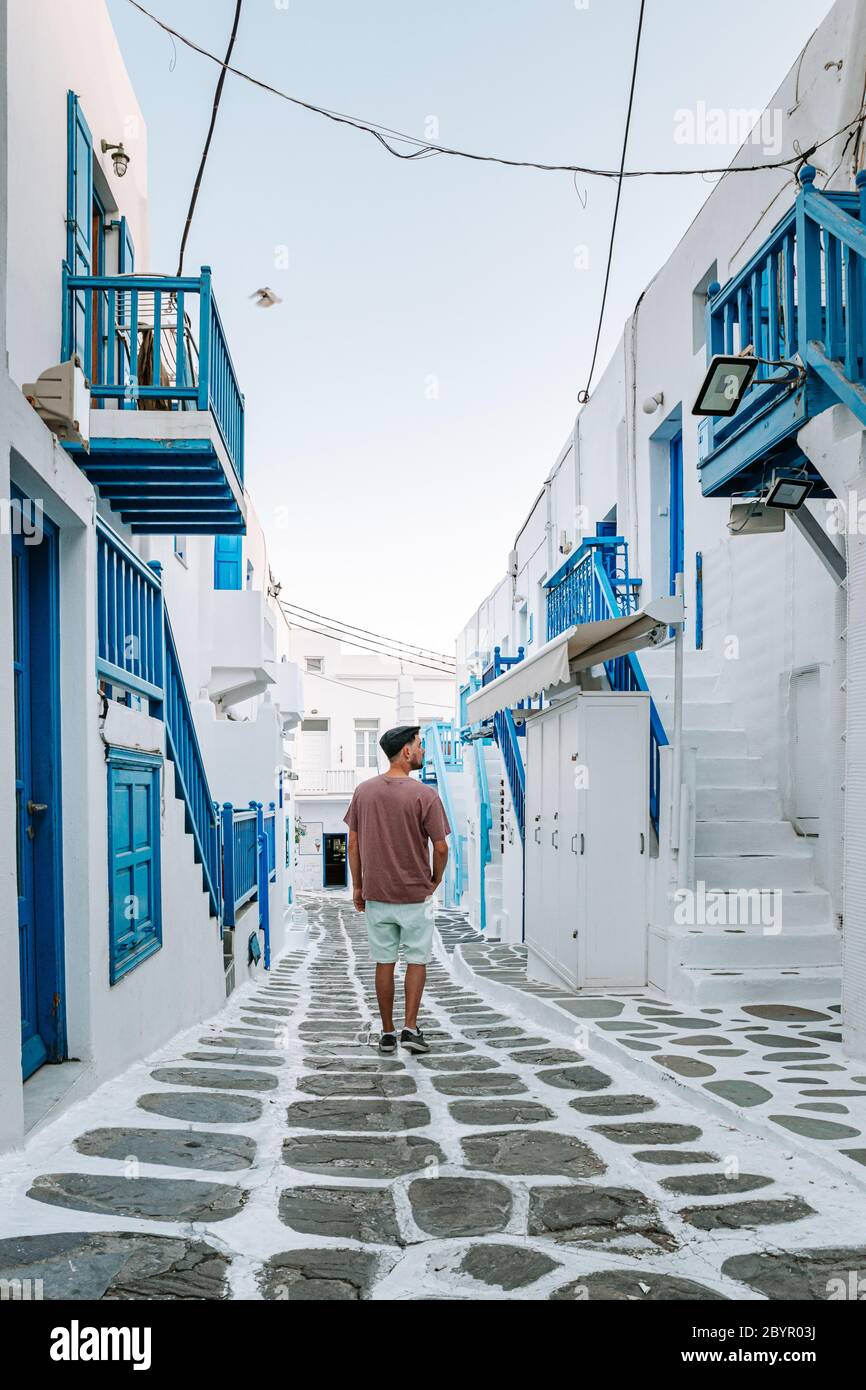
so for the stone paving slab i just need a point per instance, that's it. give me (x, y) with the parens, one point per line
(118, 1265)
(157, 1199)
(179, 1148)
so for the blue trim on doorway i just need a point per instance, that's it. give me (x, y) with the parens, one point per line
(676, 531)
(41, 574)
(699, 599)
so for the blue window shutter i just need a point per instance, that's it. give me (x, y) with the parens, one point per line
(125, 249)
(227, 556)
(79, 208)
(135, 908)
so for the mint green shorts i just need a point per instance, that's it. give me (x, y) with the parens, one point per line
(391, 925)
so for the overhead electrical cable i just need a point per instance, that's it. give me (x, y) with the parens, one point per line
(353, 627)
(583, 396)
(377, 694)
(339, 634)
(408, 660)
(224, 68)
(426, 147)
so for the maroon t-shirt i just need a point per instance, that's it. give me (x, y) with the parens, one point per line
(395, 819)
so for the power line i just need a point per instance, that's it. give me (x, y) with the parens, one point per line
(344, 685)
(204, 154)
(393, 641)
(583, 396)
(426, 148)
(410, 660)
(338, 634)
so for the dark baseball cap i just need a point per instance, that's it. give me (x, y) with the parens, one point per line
(393, 740)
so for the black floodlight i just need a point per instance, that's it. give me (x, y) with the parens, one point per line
(789, 494)
(725, 384)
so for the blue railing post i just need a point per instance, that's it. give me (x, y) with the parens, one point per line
(808, 265)
(204, 327)
(263, 880)
(229, 892)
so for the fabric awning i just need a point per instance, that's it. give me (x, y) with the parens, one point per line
(587, 644)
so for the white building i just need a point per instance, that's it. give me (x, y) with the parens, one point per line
(144, 659)
(353, 694)
(774, 742)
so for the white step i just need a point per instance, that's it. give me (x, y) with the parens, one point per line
(738, 803)
(794, 870)
(799, 911)
(728, 772)
(761, 986)
(750, 951)
(695, 688)
(714, 837)
(698, 714)
(717, 743)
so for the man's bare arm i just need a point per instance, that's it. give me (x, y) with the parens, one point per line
(355, 866)
(440, 859)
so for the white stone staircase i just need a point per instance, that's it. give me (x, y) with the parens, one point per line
(785, 944)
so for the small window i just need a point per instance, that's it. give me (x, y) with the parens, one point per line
(366, 743)
(134, 888)
(699, 308)
(314, 726)
(180, 549)
(315, 663)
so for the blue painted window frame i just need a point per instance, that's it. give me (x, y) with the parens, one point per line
(121, 762)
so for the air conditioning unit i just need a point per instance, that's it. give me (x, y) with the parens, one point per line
(61, 397)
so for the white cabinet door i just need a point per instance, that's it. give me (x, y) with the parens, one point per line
(565, 936)
(613, 931)
(549, 826)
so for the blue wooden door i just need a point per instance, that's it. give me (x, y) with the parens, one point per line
(34, 1050)
(133, 835)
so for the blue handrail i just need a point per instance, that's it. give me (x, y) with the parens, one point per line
(129, 608)
(505, 731)
(146, 356)
(184, 750)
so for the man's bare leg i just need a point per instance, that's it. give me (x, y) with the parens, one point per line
(416, 978)
(385, 994)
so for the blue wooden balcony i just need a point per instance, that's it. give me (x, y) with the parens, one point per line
(167, 415)
(801, 299)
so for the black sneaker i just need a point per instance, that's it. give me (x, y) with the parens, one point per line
(414, 1042)
(388, 1042)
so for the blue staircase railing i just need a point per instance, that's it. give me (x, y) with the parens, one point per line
(593, 585)
(202, 819)
(485, 825)
(144, 354)
(443, 750)
(505, 731)
(240, 860)
(129, 637)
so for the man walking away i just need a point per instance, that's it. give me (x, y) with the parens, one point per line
(392, 819)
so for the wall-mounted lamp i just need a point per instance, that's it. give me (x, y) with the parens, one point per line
(119, 157)
(652, 403)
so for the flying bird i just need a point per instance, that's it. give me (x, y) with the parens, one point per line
(265, 298)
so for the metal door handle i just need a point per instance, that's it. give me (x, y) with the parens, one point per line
(582, 843)
(642, 842)
(554, 839)
(573, 838)
(34, 806)
(538, 834)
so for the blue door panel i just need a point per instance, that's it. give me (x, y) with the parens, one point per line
(134, 874)
(227, 555)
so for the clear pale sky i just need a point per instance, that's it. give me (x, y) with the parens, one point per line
(408, 396)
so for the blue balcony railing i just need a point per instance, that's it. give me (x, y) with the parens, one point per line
(800, 296)
(443, 751)
(505, 731)
(593, 585)
(129, 619)
(155, 342)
